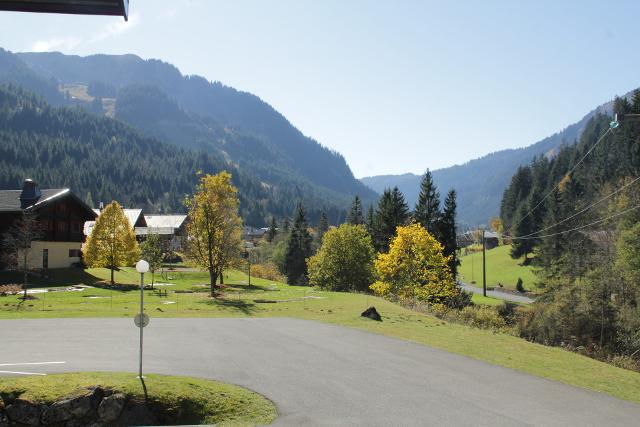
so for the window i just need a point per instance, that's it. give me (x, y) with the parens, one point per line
(45, 258)
(75, 227)
(62, 226)
(75, 253)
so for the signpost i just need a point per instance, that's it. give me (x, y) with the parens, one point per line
(141, 320)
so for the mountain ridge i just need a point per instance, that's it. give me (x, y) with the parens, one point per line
(480, 182)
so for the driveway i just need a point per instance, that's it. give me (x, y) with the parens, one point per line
(317, 374)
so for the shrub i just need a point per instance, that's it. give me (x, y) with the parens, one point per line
(267, 271)
(519, 286)
(625, 362)
(460, 301)
(483, 317)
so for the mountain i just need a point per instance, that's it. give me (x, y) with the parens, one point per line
(191, 112)
(102, 159)
(481, 182)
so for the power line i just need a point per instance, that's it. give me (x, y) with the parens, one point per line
(585, 209)
(581, 227)
(560, 182)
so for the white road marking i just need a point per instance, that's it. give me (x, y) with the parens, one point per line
(20, 373)
(31, 363)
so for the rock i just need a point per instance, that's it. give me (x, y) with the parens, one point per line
(372, 314)
(111, 407)
(24, 412)
(64, 410)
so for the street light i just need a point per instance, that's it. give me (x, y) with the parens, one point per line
(142, 267)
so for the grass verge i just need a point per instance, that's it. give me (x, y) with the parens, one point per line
(208, 402)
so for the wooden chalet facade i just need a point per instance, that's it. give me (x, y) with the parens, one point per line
(60, 215)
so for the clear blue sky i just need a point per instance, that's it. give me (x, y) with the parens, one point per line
(395, 86)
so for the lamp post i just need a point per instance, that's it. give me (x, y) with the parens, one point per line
(142, 267)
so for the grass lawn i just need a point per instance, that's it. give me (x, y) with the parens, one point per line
(264, 298)
(482, 300)
(209, 402)
(501, 268)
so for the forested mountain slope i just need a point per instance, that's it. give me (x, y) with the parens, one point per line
(481, 182)
(103, 159)
(192, 112)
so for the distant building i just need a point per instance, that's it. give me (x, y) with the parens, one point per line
(170, 228)
(61, 215)
(135, 217)
(253, 234)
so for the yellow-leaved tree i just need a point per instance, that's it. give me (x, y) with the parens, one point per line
(214, 228)
(112, 242)
(415, 269)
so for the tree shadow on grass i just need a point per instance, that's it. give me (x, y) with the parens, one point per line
(241, 306)
(250, 288)
(51, 277)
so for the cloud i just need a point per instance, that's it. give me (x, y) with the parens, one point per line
(55, 44)
(115, 28)
(111, 29)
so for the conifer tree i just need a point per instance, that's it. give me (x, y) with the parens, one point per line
(427, 212)
(371, 220)
(273, 230)
(323, 225)
(356, 215)
(448, 232)
(298, 249)
(112, 242)
(392, 212)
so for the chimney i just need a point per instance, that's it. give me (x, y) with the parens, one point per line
(30, 193)
(101, 206)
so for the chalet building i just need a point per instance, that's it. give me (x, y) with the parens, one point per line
(135, 217)
(61, 216)
(170, 228)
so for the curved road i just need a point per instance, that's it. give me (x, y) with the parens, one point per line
(316, 374)
(497, 294)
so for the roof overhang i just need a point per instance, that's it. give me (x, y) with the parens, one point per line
(79, 7)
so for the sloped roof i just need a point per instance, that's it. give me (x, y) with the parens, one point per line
(84, 7)
(10, 199)
(133, 215)
(165, 221)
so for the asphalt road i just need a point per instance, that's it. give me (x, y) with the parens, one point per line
(316, 374)
(497, 294)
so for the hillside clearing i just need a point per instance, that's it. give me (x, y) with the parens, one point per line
(501, 269)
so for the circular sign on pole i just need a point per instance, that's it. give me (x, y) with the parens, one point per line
(144, 319)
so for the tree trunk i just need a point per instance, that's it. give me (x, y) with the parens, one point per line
(24, 285)
(112, 281)
(221, 277)
(213, 276)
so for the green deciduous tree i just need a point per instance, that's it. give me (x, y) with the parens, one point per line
(112, 242)
(344, 262)
(151, 251)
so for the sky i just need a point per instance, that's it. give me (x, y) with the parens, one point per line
(395, 86)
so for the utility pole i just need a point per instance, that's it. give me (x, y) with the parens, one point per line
(484, 265)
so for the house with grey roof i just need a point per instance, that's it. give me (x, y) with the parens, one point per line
(60, 216)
